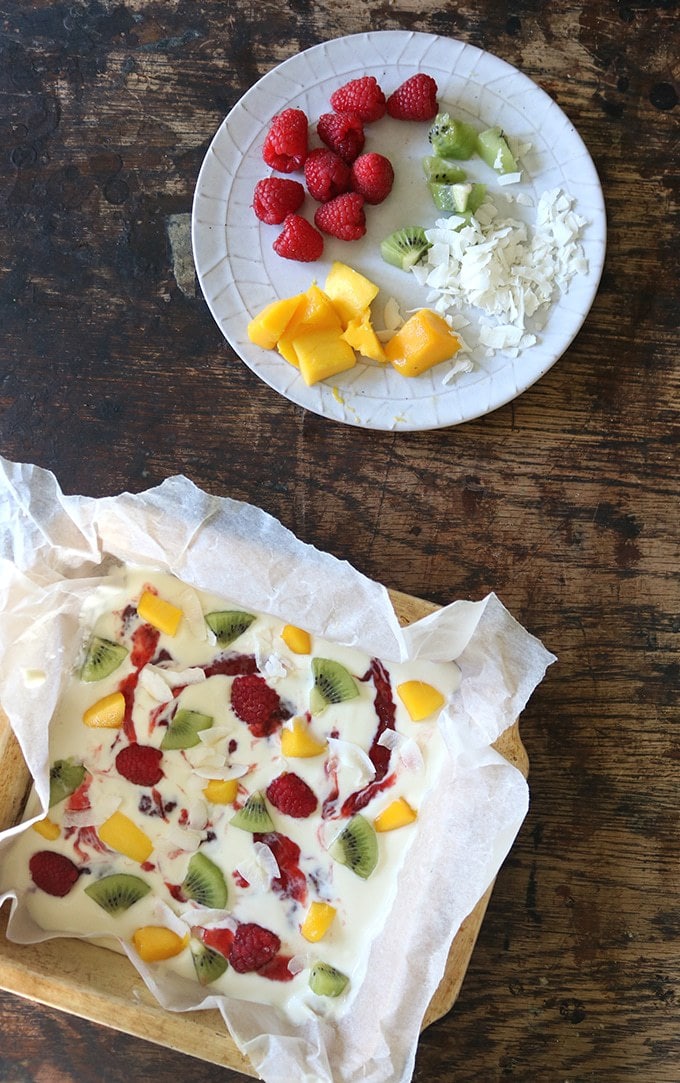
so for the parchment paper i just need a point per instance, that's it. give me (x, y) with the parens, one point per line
(54, 548)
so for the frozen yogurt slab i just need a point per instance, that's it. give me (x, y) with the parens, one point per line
(89, 981)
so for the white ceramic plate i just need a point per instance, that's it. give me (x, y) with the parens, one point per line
(239, 272)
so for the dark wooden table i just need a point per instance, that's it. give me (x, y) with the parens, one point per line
(114, 375)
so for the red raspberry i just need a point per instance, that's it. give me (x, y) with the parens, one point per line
(343, 217)
(285, 145)
(372, 177)
(256, 704)
(291, 795)
(298, 240)
(53, 873)
(343, 133)
(326, 174)
(275, 198)
(253, 947)
(416, 99)
(140, 764)
(363, 97)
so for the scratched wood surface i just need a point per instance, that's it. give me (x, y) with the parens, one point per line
(113, 374)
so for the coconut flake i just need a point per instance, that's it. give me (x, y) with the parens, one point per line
(223, 772)
(260, 868)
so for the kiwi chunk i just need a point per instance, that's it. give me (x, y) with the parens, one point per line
(229, 624)
(118, 892)
(404, 247)
(254, 815)
(184, 729)
(452, 138)
(208, 963)
(102, 658)
(442, 170)
(326, 981)
(357, 847)
(332, 684)
(205, 883)
(492, 147)
(65, 778)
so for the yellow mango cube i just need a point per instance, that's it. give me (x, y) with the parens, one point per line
(121, 834)
(161, 614)
(362, 337)
(296, 639)
(318, 921)
(423, 341)
(106, 713)
(322, 354)
(314, 313)
(398, 814)
(420, 699)
(221, 791)
(48, 829)
(155, 942)
(350, 291)
(299, 742)
(266, 328)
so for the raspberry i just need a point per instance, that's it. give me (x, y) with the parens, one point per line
(256, 704)
(343, 217)
(53, 873)
(363, 97)
(140, 764)
(298, 240)
(285, 145)
(372, 177)
(326, 174)
(275, 198)
(416, 99)
(253, 947)
(343, 133)
(291, 795)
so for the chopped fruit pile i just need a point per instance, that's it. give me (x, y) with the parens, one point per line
(338, 175)
(245, 821)
(321, 332)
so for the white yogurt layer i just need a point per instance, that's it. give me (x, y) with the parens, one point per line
(180, 821)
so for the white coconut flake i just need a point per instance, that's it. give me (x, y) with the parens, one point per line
(223, 772)
(353, 761)
(298, 963)
(260, 868)
(407, 750)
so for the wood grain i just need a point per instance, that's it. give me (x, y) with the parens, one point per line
(565, 502)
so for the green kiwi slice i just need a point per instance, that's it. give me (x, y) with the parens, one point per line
(65, 778)
(404, 247)
(184, 729)
(208, 963)
(326, 981)
(117, 892)
(102, 658)
(493, 148)
(332, 684)
(204, 883)
(229, 624)
(254, 815)
(451, 138)
(357, 847)
(442, 170)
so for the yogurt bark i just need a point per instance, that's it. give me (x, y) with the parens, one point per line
(231, 798)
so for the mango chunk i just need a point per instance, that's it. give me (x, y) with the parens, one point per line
(299, 742)
(47, 828)
(420, 699)
(318, 921)
(155, 942)
(322, 354)
(121, 834)
(221, 791)
(161, 614)
(106, 713)
(398, 814)
(296, 639)
(267, 327)
(350, 291)
(362, 338)
(423, 341)
(314, 313)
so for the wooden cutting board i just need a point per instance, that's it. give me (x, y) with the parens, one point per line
(87, 980)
